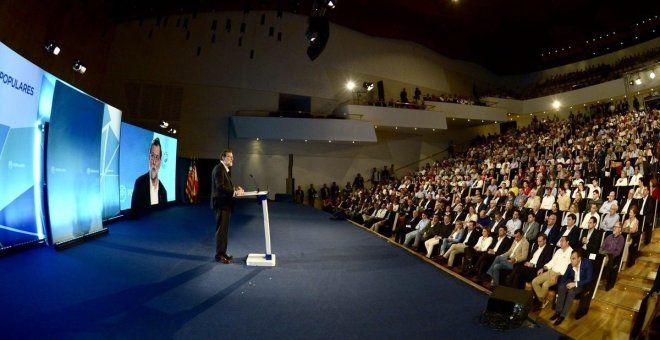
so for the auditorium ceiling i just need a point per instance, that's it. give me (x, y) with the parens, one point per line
(506, 36)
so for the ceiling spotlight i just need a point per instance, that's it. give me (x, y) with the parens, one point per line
(331, 3)
(631, 82)
(368, 86)
(556, 105)
(52, 48)
(652, 75)
(172, 131)
(350, 85)
(79, 67)
(638, 81)
(164, 124)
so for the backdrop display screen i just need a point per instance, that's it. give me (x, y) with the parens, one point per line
(74, 164)
(20, 150)
(135, 161)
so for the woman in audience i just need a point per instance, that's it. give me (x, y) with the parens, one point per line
(471, 215)
(631, 228)
(454, 237)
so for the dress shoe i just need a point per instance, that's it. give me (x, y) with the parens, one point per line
(554, 317)
(559, 321)
(223, 259)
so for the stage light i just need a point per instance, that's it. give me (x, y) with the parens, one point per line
(652, 75)
(638, 81)
(368, 86)
(52, 48)
(350, 85)
(556, 105)
(164, 124)
(79, 67)
(330, 3)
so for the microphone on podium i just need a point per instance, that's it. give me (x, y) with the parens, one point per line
(255, 182)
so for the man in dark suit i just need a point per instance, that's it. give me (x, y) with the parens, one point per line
(577, 276)
(540, 253)
(148, 191)
(222, 201)
(572, 232)
(552, 230)
(646, 206)
(591, 238)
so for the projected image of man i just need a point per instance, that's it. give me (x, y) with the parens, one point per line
(149, 191)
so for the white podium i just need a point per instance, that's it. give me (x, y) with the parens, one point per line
(267, 259)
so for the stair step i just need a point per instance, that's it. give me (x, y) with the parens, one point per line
(649, 259)
(634, 282)
(621, 296)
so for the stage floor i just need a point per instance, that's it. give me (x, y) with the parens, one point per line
(155, 277)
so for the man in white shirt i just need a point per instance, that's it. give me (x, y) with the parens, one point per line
(513, 224)
(605, 207)
(548, 275)
(593, 212)
(546, 202)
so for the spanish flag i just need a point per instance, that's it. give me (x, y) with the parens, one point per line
(192, 184)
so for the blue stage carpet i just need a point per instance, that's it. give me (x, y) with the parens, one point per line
(156, 278)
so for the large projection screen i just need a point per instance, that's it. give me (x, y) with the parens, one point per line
(134, 161)
(20, 167)
(73, 156)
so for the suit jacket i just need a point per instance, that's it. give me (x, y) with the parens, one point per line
(585, 275)
(647, 209)
(494, 225)
(474, 237)
(594, 241)
(520, 253)
(573, 236)
(504, 246)
(141, 199)
(554, 235)
(531, 231)
(222, 189)
(544, 257)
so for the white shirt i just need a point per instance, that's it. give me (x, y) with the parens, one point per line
(537, 254)
(483, 243)
(153, 191)
(546, 202)
(560, 260)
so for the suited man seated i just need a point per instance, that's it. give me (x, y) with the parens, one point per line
(148, 191)
(540, 253)
(591, 238)
(551, 229)
(517, 253)
(578, 275)
(530, 228)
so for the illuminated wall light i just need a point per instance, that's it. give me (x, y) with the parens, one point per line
(415, 129)
(353, 142)
(329, 141)
(433, 130)
(281, 140)
(305, 140)
(257, 139)
(350, 85)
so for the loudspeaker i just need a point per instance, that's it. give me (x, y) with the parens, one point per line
(511, 303)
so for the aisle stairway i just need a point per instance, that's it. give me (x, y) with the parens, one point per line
(636, 281)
